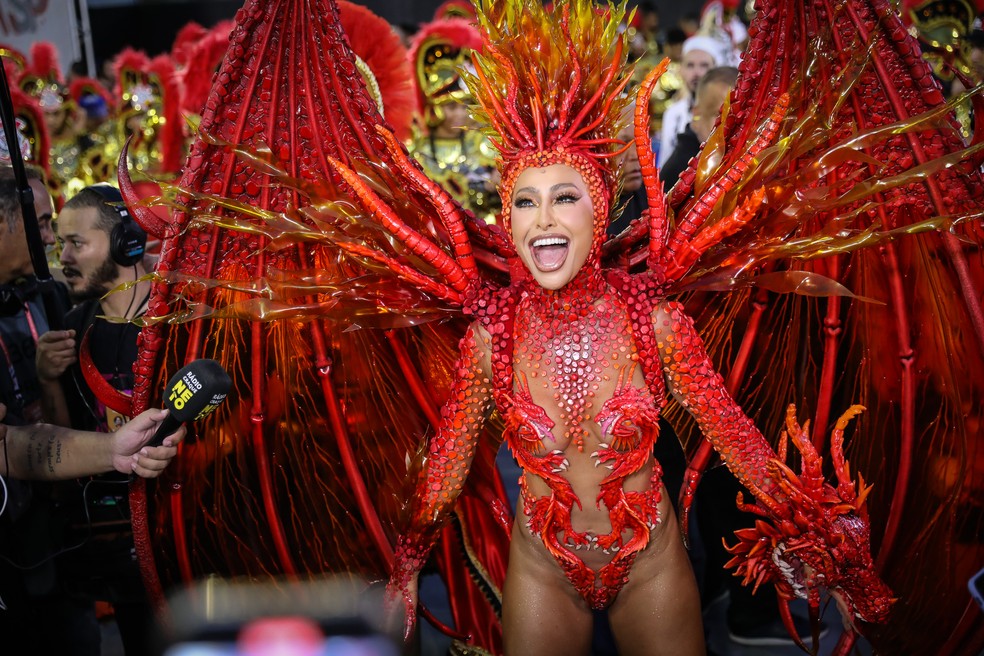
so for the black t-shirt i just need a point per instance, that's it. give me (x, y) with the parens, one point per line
(113, 349)
(29, 526)
(687, 147)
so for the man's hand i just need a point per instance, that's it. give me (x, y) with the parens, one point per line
(129, 452)
(56, 352)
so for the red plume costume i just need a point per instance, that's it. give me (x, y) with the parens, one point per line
(33, 132)
(300, 219)
(87, 86)
(43, 77)
(148, 91)
(185, 43)
(382, 59)
(199, 65)
(456, 157)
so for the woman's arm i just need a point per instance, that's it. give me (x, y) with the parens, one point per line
(700, 389)
(449, 457)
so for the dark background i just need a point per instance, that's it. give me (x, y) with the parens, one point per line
(152, 26)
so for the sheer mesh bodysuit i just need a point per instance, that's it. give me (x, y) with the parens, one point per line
(582, 423)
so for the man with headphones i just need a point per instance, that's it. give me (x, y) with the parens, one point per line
(102, 250)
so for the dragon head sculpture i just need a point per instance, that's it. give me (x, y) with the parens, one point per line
(817, 535)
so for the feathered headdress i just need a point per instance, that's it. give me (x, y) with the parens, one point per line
(128, 66)
(150, 86)
(202, 61)
(550, 86)
(161, 73)
(382, 60)
(438, 53)
(32, 131)
(186, 41)
(43, 78)
(90, 94)
(13, 60)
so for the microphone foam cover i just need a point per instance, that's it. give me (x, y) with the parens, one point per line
(196, 389)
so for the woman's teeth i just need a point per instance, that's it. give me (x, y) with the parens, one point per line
(549, 253)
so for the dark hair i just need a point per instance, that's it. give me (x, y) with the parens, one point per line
(721, 74)
(976, 39)
(647, 7)
(108, 219)
(675, 36)
(9, 203)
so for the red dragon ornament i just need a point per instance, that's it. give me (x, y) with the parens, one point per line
(811, 525)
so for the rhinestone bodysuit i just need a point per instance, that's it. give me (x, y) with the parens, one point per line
(574, 360)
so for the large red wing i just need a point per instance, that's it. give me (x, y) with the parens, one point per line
(302, 471)
(914, 357)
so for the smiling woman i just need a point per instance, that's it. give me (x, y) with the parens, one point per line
(579, 360)
(552, 223)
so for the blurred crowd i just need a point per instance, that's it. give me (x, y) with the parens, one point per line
(72, 130)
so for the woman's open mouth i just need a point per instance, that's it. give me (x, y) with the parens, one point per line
(549, 252)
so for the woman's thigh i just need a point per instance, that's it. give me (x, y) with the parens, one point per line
(541, 612)
(658, 611)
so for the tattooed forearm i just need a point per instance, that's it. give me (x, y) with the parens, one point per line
(47, 452)
(45, 449)
(53, 453)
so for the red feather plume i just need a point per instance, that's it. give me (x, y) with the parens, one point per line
(128, 61)
(45, 61)
(203, 61)
(374, 42)
(186, 41)
(27, 109)
(171, 134)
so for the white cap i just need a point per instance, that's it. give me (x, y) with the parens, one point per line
(705, 44)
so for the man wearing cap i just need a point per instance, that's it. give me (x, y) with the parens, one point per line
(700, 54)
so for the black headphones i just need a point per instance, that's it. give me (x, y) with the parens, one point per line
(127, 241)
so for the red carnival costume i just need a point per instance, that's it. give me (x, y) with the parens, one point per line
(148, 98)
(34, 139)
(198, 60)
(300, 218)
(460, 159)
